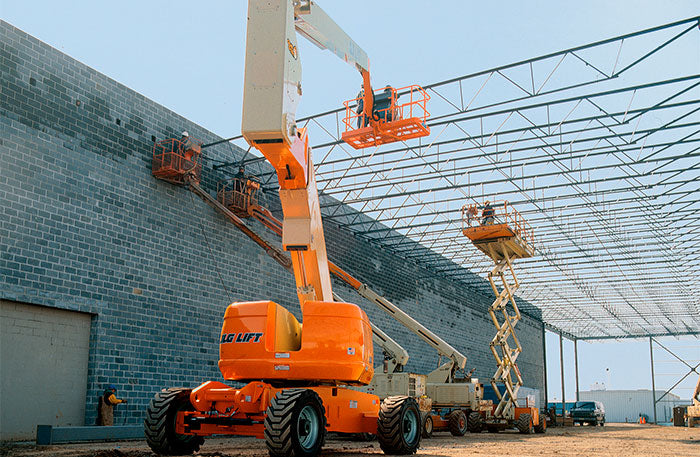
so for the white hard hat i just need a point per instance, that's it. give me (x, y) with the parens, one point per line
(185, 133)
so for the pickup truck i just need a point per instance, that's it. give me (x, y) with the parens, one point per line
(591, 412)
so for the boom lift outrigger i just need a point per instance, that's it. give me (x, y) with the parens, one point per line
(296, 376)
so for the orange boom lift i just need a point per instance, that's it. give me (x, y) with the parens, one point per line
(296, 372)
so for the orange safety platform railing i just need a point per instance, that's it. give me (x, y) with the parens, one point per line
(391, 120)
(174, 159)
(239, 195)
(498, 221)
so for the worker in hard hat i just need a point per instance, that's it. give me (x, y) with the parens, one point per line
(189, 150)
(362, 118)
(487, 214)
(240, 179)
(105, 405)
(185, 140)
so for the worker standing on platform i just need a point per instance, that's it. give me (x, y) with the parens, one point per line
(189, 151)
(362, 117)
(105, 406)
(487, 214)
(186, 143)
(240, 179)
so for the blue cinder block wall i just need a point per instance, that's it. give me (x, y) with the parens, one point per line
(86, 227)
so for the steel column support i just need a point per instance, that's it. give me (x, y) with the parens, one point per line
(576, 365)
(561, 361)
(544, 360)
(653, 384)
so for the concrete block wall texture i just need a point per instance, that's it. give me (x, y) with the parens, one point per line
(86, 227)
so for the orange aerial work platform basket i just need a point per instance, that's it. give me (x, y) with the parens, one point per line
(498, 229)
(391, 120)
(175, 159)
(239, 195)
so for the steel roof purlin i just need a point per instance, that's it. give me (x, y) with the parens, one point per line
(597, 146)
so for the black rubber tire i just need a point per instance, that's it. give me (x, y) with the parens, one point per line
(159, 425)
(396, 416)
(593, 423)
(524, 424)
(427, 427)
(475, 423)
(457, 422)
(542, 426)
(284, 418)
(602, 424)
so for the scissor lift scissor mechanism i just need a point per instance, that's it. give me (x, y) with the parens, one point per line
(502, 234)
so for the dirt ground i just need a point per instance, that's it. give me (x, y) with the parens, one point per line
(616, 440)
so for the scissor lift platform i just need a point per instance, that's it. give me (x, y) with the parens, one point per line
(497, 241)
(503, 234)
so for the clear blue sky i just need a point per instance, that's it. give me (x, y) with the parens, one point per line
(408, 42)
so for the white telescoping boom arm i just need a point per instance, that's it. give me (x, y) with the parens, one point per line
(316, 26)
(272, 87)
(456, 360)
(396, 356)
(272, 90)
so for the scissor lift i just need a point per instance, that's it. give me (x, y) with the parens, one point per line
(501, 233)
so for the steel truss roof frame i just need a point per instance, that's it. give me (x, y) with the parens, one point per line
(597, 146)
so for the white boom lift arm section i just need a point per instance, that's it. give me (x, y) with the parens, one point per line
(456, 360)
(316, 26)
(396, 357)
(272, 90)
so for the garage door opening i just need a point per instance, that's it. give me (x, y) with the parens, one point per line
(43, 368)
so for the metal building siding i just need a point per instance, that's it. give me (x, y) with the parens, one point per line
(626, 405)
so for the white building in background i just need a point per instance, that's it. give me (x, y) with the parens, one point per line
(627, 405)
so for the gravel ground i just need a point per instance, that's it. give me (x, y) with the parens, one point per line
(618, 440)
